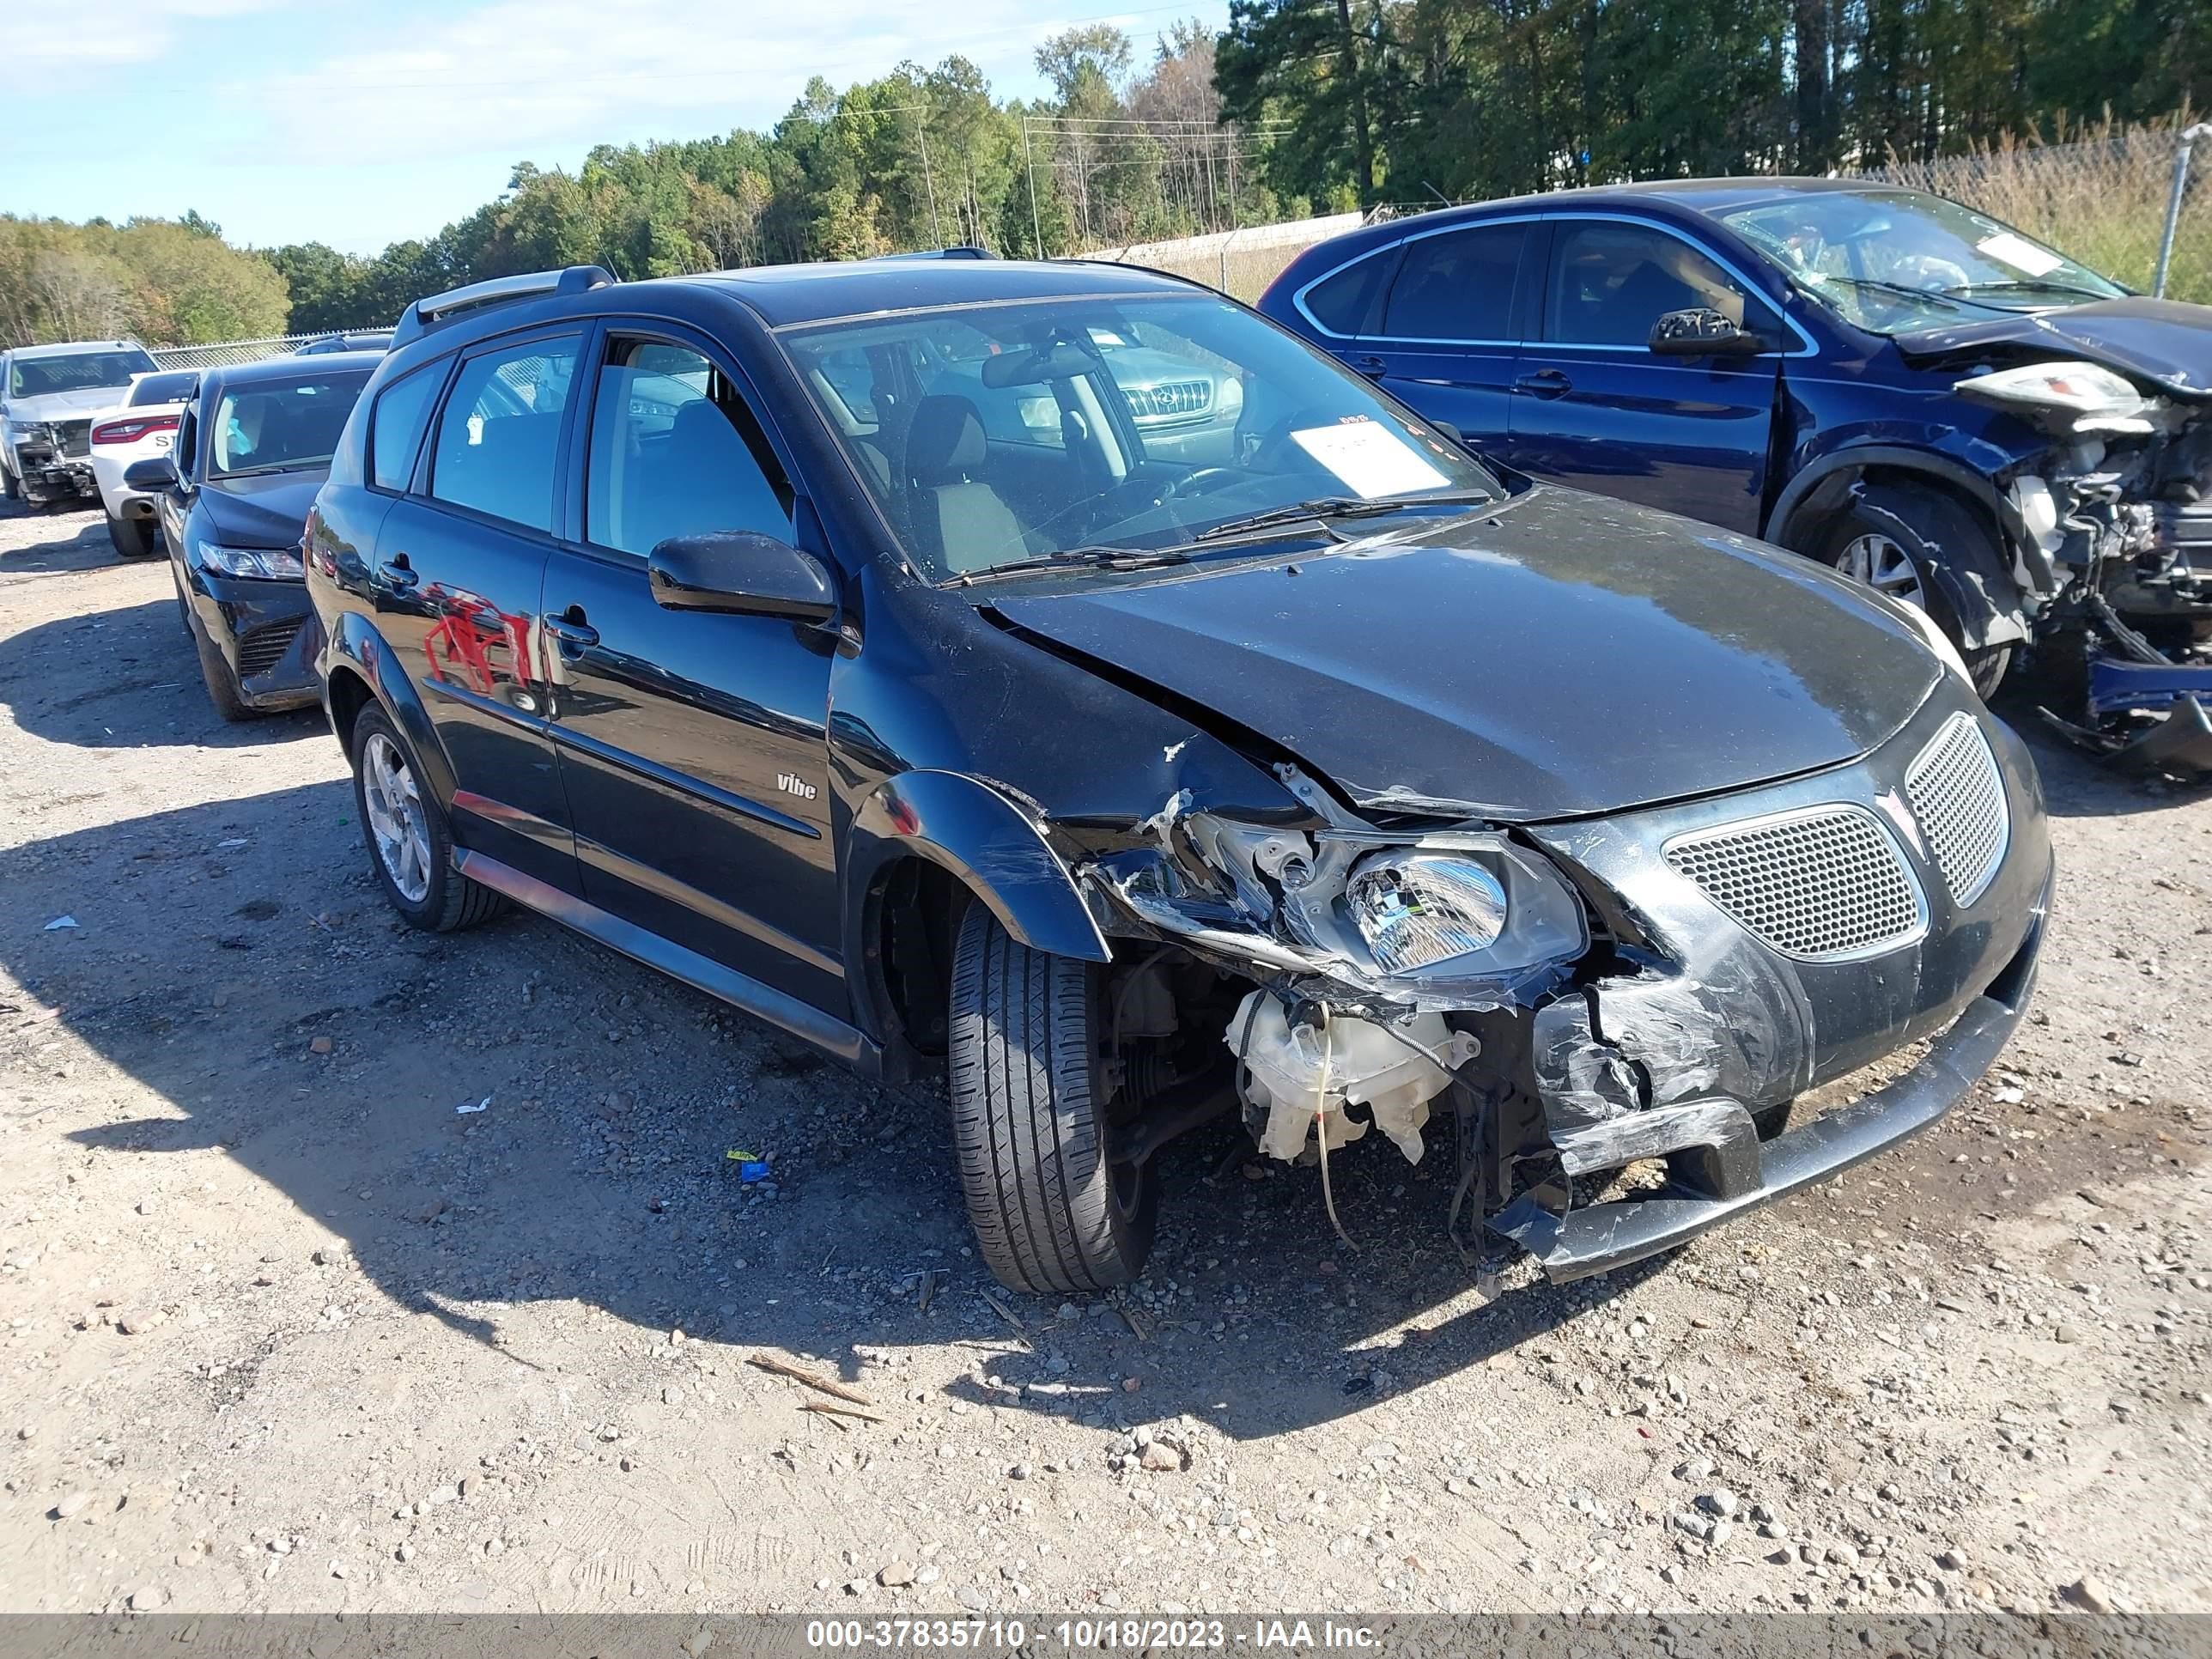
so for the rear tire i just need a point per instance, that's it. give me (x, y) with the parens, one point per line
(1866, 546)
(133, 538)
(1051, 1211)
(409, 846)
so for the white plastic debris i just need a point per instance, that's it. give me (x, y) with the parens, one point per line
(463, 1110)
(58, 923)
(1299, 1074)
(230, 846)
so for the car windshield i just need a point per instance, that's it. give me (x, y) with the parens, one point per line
(1894, 261)
(282, 426)
(79, 371)
(994, 435)
(174, 387)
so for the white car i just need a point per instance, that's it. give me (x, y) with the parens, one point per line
(48, 394)
(140, 427)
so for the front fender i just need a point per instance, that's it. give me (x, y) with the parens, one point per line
(987, 842)
(352, 645)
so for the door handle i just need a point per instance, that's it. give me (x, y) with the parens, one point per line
(398, 573)
(1545, 383)
(1373, 367)
(571, 631)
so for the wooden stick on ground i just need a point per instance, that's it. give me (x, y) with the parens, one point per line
(769, 1362)
(833, 1413)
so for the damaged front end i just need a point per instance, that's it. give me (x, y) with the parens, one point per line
(2113, 528)
(1609, 992)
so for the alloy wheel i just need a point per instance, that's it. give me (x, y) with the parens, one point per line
(396, 820)
(1882, 565)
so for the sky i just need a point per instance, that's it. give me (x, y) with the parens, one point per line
(359, 122)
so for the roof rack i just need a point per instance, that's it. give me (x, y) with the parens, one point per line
(426, 313)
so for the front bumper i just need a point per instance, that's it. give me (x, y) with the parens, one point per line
(1714, 1024)
(265, 631)
(1746, 1173)
(46, 474)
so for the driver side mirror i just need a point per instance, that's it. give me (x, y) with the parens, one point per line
(741, 573)
(1701, 331)
(155, 475)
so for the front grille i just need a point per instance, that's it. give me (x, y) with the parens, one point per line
(263, 648)
(1171, 400)
(1824, 883)
(1957, 794)
(75, 436)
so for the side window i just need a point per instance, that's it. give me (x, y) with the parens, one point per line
(675, 452)
(1611, 282)
(1340, 302)
(501, 432)
(1457, 286)
(395, 434)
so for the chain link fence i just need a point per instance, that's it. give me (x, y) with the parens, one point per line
(1241, 261)
(223, 353)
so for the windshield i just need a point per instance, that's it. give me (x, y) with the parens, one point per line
(280, 426)
(996, 434)
(1892, 261)
(80, 371)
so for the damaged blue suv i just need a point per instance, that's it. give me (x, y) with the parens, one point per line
(1059, 680)
(1902, 388)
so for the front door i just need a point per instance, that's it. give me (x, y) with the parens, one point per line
(1595, 407)
(693, 743)
(1447, 339)
(460, 564)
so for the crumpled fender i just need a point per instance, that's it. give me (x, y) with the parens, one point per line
(985, 839)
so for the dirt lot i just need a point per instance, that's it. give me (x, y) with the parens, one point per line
(286, 1328)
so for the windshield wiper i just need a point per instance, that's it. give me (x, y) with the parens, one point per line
(1080, 558)
(1325, 507)
(2031, 285)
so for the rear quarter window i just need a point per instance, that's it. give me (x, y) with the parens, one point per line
(395, 436)
(1342, 302)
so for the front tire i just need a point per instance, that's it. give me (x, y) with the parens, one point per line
(1892, 548)
(133, 538)
(222, 688)
(1052, 1213)
(410, 846)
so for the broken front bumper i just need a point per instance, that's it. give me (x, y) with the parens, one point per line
(1740, 1172)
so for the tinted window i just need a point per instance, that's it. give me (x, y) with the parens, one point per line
(42, 377)
(282, 426)
(675, 452)
(1611, 282)
(501, 432)
(1340, 303)
(173, 387)
(402, 410)
(1458, 286)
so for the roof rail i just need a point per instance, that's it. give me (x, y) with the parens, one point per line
(426, 313)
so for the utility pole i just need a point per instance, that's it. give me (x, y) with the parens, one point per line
(1029, 165)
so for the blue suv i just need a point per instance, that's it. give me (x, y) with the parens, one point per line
(1889, 382)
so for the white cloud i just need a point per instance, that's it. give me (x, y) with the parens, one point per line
(42, 44)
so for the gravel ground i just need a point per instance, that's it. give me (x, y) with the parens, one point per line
(287, 1329)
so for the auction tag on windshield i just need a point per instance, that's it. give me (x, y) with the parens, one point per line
(2020, 254)
(1371, 458)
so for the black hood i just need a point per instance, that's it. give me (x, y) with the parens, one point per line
(269, 511)
(2161, 342)
(1571, 654)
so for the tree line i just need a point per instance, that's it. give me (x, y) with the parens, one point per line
(1299, 106)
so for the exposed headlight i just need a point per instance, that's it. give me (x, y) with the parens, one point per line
(2073, 396)
(1480, 914)
(270, 564)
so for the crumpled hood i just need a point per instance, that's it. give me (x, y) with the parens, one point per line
(2163, 341)
(270, 511)
(1571, 654)
(66, 405)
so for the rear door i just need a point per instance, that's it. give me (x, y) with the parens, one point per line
(1447, 339)
(1593, 406)
(693, 743)
(458, 580)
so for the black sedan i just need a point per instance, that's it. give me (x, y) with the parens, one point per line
(253, 448)
(1332, 779)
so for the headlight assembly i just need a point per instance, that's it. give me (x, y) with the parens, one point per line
(2067, 397)
(1474, 913)
(268, 563)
